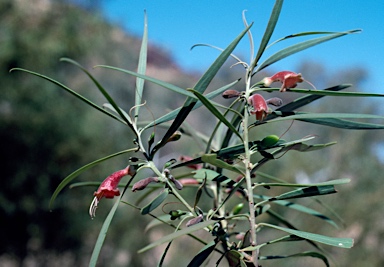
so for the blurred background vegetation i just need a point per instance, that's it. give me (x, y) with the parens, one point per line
(46, 134)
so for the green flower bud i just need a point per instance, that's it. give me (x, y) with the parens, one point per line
(237, 209)
(269, 141)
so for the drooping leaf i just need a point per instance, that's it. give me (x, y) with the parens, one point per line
(103, 91)
(174, 235)
(215, 112)
(332, 241)
(313, 254)
(203, 254)
(307, 148)
(69, 90)
(155, 202)
(300, 208)
(76, 173)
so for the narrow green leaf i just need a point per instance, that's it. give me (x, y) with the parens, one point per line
(302, 115)
(307, 148)
(76, 173)
(165, 85)
(155, 202)
(142, 66)
(287, 238)
(177, 234)
(332, 241)
(331, 182)
(212, 159)
(300, 208)
(171, 115)
(313, 254)
(205, 174)
(305, 100)
(203, 254)
(164, 254)
(82, 98)
(322, 92)
(215, 112)
(299, 47)
(102, 90)
(300, 34)
(200, 87)
(110, 107)
(103, 234)
(345, 124)
(306, 192)
(268, 31)
(199, 192)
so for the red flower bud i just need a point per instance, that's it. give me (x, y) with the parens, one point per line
(230, 94)
(140, 185)
(259, 105)
(195, 220)
(192, 166)
(289, 79)
(188, 181)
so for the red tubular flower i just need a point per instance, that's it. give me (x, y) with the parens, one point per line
(260, 107)
(108, 188)
(289, 79)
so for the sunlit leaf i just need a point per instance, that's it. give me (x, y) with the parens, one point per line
(305, 100)
(299, 47)
(200, 87)
(171, 115)
(268, 31)
(332, 241)
(215, 112)
(141, 68)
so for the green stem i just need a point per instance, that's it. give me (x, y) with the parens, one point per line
(173, 190)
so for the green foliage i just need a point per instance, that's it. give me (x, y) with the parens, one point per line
(226, 172)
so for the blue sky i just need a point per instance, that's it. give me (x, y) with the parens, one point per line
(177, 25)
